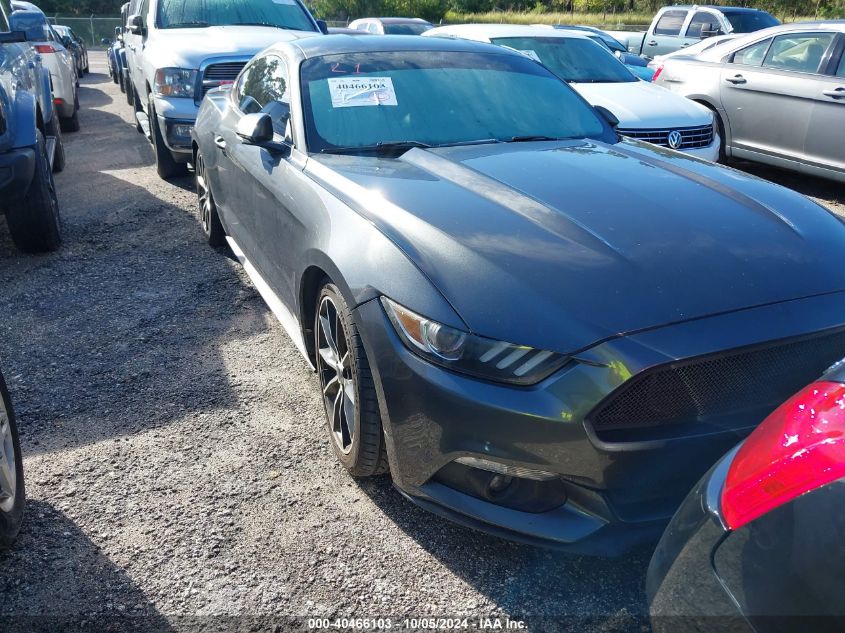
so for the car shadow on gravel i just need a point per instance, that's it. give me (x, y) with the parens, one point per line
(551, 590)
(120, 330)
(56, 579)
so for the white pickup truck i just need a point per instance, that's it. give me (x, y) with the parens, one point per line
(176, 51)
(679, 26)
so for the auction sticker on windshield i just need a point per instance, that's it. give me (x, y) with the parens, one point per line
(348, 92)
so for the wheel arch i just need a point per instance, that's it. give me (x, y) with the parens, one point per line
(711, 105)
(26, 119)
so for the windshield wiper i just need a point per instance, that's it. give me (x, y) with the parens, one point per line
(480, 141)
(536, 137)
(275, 26)
(386, 147)
(184, 25)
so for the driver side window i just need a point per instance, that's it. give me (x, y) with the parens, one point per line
(263, 87)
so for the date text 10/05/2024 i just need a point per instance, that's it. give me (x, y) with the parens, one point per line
(416, 624)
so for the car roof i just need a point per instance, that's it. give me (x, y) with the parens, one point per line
(319, 45)
(718, 51)
(490, 31)
(397, 20)
(715, 7)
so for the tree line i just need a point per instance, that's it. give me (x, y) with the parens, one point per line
(436, 10)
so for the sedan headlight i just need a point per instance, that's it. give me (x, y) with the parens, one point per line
(175, 82)
(470, 354)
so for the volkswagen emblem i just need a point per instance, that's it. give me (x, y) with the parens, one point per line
(675, 139)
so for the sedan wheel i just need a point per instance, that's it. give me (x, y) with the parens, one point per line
(211, 225)
(12, 495)
(346, 381)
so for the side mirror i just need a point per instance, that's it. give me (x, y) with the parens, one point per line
(608, 116)
(12, 37)
(66, 41)
(118, 31)
(323, 26)
(135, 24)
(255, 129)
(709, 30)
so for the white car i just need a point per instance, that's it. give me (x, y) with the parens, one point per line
(55, 57)
(646, 112)
(178, 51)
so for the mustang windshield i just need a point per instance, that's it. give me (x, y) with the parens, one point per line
(437, 98)
(283, 14)
(576, 60)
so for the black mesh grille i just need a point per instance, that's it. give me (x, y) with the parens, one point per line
(718, 387)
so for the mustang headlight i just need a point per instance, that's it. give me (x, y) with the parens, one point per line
(469, 354)
(175, 82)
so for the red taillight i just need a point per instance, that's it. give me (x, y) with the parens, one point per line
(44, 48)
(798, 448)
(58, 101)
(657, 73)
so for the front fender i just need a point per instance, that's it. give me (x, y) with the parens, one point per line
(24, 118)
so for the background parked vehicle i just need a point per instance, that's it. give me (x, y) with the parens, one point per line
(76, 45)
(779, 95)
(12, 490)
(391, 26)
(692, 50)
(30, 144)
(636, 64)
(645, 112)
(58, 60)
(516, 397)
(679, 26)
(758, 544)
(178, 52)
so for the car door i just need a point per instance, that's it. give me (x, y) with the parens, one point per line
(825, 143)
(665, 37)
(264, 179)
(768, 96)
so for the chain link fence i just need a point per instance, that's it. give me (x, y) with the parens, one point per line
(92, 29)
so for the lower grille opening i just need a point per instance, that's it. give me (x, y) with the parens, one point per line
(728, 391)
(517, 493)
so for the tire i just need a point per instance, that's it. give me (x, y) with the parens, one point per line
(166, 165)
(130, 94)
(12, 493)
(114, 77)
(34, 221)
(71, 123)
(138, 108)
(210, 220)
(55, 130)
(347, 387)
(121, 82)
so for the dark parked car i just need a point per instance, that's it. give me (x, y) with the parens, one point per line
(505, 305)
(76, 45)
(12, 494)
(758, 544)
(30, 143)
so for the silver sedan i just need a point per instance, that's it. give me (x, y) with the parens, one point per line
(779, 95)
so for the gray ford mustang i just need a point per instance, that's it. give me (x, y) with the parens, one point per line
(540, 329)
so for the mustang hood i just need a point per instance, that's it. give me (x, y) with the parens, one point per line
(559, 245)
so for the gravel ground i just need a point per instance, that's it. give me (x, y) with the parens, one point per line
(178, 473)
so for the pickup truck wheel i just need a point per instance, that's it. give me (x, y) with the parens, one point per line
(34, 222)
(55, 130)
(12, 493)
(211, 225)
(136, 100)
(130, 94)
(166, 166)
(121, 82)
(71, 123)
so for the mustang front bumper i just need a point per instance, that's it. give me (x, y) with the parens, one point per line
(598, 492)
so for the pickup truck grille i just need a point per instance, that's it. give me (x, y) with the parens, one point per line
(691, 137)
(218, 74)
